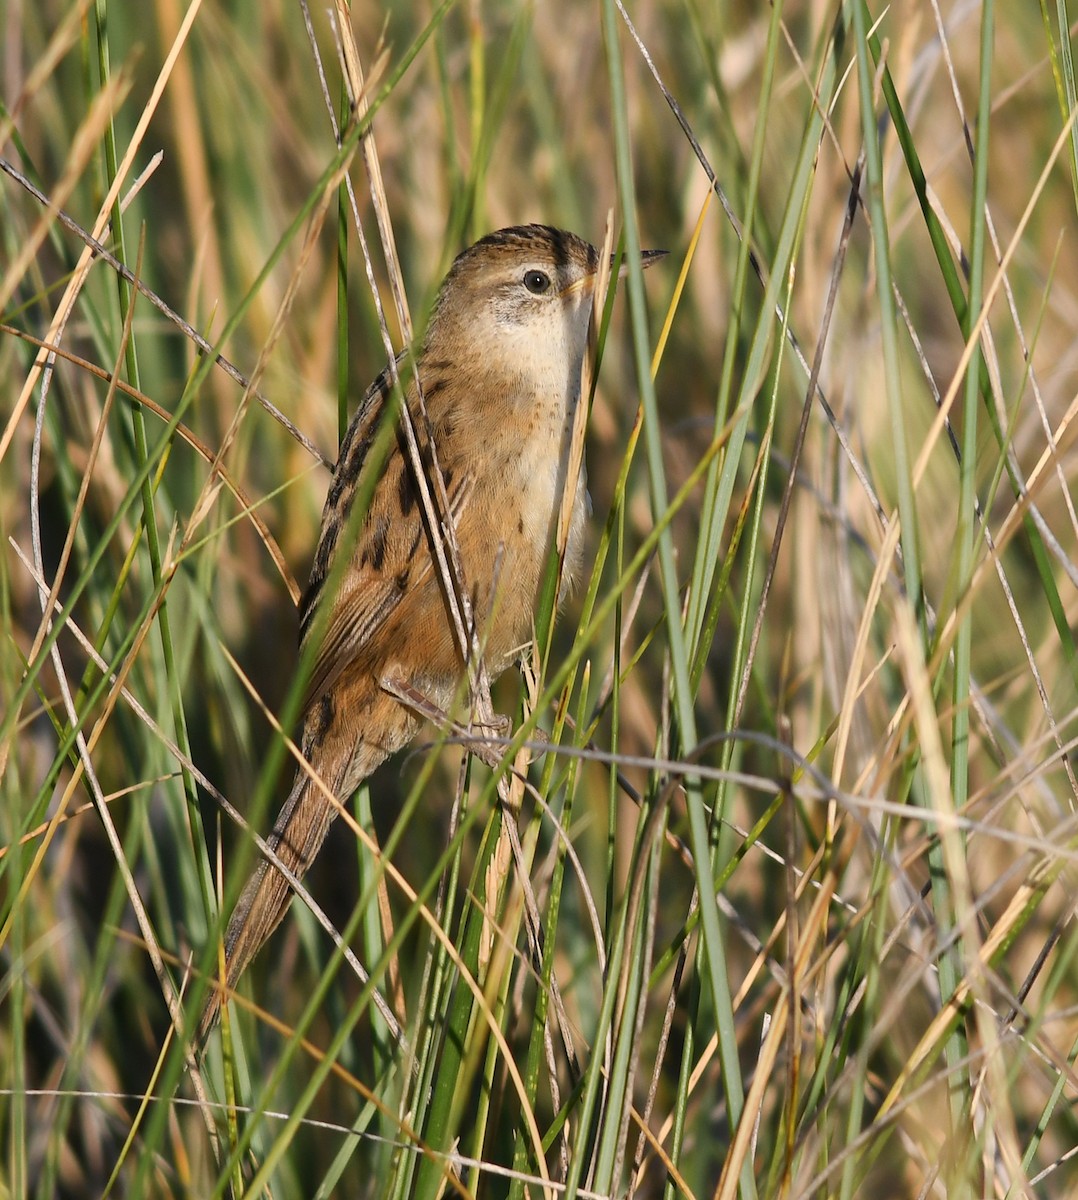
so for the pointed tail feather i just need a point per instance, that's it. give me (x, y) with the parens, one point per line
(343, 758)
(297, 837)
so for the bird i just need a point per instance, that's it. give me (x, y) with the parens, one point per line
(499, 373)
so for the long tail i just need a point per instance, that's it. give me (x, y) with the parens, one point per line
(344, 753)
(297, 837)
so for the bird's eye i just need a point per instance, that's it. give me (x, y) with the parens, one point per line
(537, 282)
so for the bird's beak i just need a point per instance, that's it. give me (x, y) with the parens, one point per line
(588, 282)
(648, 258)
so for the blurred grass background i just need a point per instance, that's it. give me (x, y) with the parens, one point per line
(883, 1002)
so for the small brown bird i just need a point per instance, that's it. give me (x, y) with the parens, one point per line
(500, 372)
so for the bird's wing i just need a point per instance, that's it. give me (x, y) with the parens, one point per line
(358, 613)
(390, 557)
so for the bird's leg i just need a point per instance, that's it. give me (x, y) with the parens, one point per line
(474, 736)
